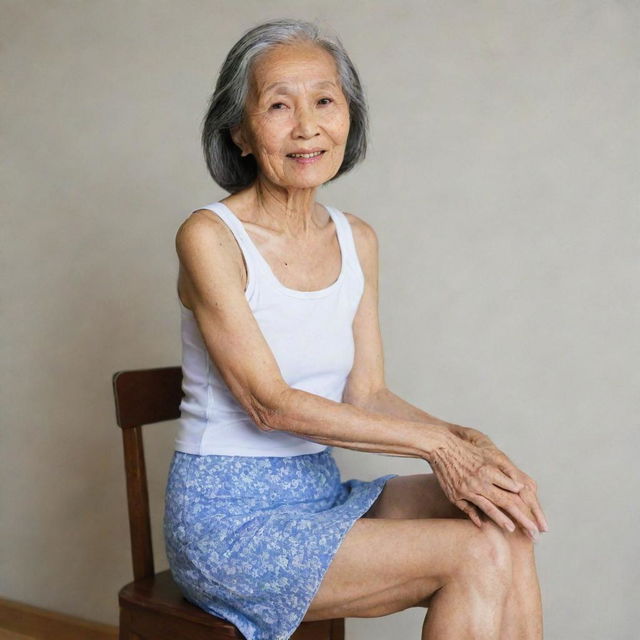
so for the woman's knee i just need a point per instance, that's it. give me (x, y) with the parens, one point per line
(487, 555)
(521, 543)
(483, 560)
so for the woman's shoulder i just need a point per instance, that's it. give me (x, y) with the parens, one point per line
(363, 232)
(204, 224)
(204, 235)
(364, 238)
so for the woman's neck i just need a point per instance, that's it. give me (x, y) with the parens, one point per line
(292, 212)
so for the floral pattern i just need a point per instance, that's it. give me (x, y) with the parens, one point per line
(249, 539)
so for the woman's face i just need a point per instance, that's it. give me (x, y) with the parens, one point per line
(295, 105)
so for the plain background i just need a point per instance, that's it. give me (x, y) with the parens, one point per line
(502, 180)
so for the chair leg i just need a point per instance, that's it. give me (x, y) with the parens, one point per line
(123, 630)
(123, 634)
(337, 629)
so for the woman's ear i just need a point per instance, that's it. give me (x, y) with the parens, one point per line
(238, 137)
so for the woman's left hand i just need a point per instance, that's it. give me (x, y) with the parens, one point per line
(502, 461)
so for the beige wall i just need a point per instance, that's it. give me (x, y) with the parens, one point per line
(503, 183)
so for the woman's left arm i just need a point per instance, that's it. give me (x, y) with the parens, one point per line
(386, 402)
(366, 386)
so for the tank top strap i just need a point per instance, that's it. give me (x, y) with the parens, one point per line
(245, 243)
(347, 242)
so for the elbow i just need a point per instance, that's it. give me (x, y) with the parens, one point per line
(269, 411)
(361, 398)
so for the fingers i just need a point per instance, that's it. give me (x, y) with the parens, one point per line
(537, 511)
(471, 511)
(502, 480)
(516, 507)
(530, 498)
(529, 495)
(493, 512)
(506, 503)
(495, 470)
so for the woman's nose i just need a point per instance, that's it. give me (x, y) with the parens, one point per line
(306, 125)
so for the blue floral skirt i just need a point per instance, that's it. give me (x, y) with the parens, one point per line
(249, 539)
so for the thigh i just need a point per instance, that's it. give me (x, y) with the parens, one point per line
(384, 566)
(420, 496)
(413, 496)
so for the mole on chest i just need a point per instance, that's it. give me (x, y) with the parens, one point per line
(306, 275)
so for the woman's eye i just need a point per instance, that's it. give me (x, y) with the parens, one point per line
(328, 100)
(277, 105)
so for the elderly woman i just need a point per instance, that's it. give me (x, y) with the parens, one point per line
(282, 360)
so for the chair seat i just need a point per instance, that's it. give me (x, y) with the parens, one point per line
(161, 594)
(159, 598)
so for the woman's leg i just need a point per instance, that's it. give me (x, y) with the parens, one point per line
(473, 604)
(420, 496)
(388, 565)
(523, 609)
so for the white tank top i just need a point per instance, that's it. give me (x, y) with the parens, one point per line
(309, 332)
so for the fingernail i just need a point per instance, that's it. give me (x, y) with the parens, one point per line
(511, 527)
(535, 535)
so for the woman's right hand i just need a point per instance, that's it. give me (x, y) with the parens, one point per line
(473, 482)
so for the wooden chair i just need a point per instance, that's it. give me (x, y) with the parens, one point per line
(152, 607)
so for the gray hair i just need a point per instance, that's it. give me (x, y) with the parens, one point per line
(227, 167)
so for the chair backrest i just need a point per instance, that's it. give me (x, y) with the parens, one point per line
(143, 396)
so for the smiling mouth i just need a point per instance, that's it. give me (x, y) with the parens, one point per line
(305, 155)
